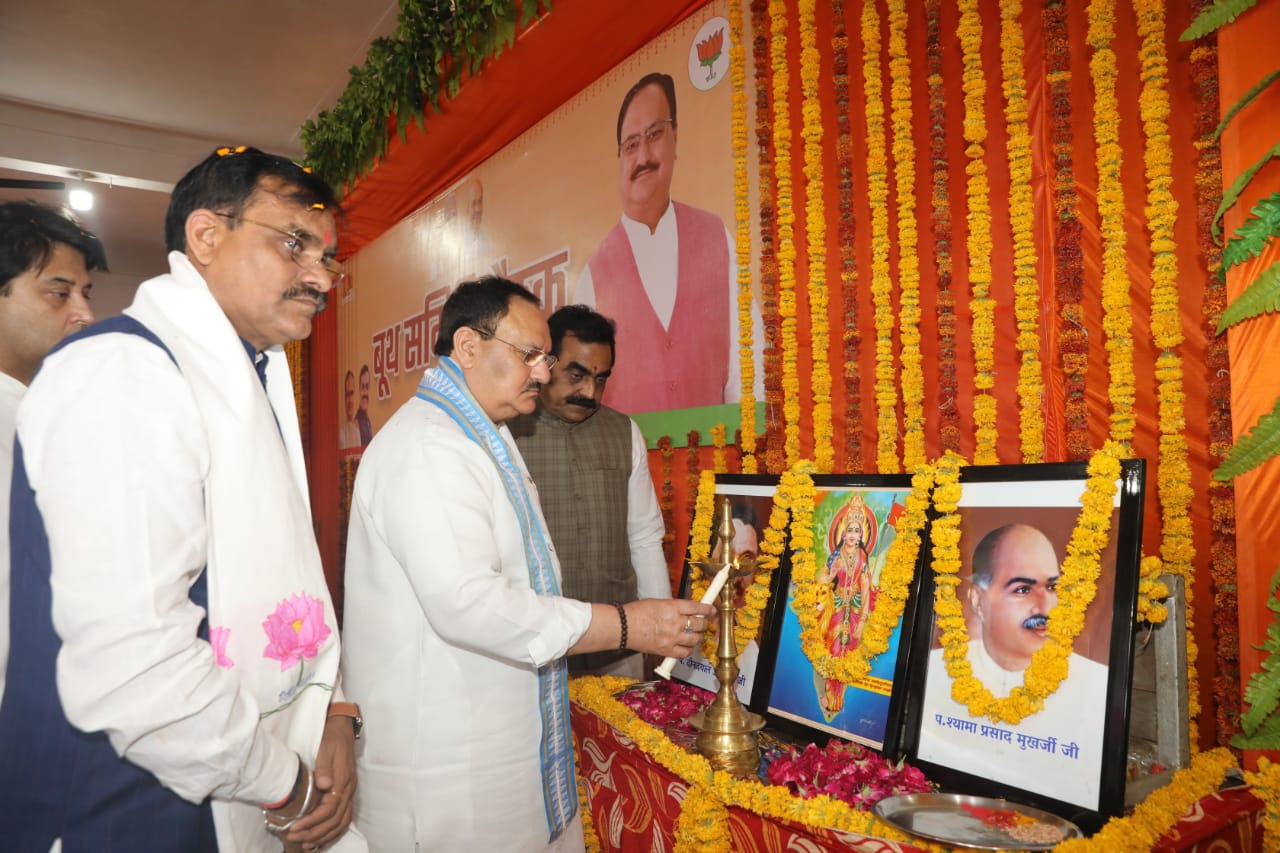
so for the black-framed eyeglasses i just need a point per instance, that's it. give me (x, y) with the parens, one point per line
(652, 134)
(304, 250)
(532, 356)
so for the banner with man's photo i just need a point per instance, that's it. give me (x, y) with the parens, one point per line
(621, 199)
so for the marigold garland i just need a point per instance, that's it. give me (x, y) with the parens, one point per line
(850, 336)
(940, 224)
(742, 244)
(979, 243)
(1077, 586)
(703, 826)
(1068, 268)
(1117, 322)
(761, 45)
(812, 601)
(785, 218)
(718, 459)
(1150, 821)
(815, 229)
(1022, 223)
(904, 171)
(667, 504)
(881, 278)
(1222, 511)
(1266, 784)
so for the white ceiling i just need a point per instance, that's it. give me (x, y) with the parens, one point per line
(133, 93)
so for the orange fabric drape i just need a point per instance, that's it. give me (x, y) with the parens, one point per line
(1246, 54)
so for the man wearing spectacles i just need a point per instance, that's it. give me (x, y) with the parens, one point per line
(670, 269)
(455, 624)
(161, 503)
(583, 454)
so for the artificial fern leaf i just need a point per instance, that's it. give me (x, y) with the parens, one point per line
(1254, 447)
(1232, 192)
(1266, 737)
(1222, 12)
(1251, 237)
(1262, 296)
(1245, 100)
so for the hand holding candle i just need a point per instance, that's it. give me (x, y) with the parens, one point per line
(709, 597)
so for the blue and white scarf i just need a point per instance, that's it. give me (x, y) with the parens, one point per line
(445, 386)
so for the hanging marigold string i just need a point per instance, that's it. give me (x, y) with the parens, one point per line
(692, 471)
(1022, 223)
(761, 62)
(786, 249)
(1068, 267)
(1117, 322)
(667, 504)
(850, 336)
(1222, 507)
(978, 244)
(881, 278)
(1077, 587)
(904, 171)
(1173, 480)
(815, 229)
(742, 243)
(718, 459)
(703, 826)
(940, 224)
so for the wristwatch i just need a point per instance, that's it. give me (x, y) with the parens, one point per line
(348, 709)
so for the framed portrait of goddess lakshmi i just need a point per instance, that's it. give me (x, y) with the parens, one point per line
(825, 606)
(1011, 609)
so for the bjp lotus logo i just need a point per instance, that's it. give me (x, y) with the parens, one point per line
(709, 50)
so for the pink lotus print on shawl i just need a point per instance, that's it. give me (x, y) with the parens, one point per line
(218, 639)
(296, 630)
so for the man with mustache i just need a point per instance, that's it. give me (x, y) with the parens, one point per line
(670, 269)
(1012, 590)
(173, 673)
(591, 467)
(456, 626)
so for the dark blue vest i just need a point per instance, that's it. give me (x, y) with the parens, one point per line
(55, 780)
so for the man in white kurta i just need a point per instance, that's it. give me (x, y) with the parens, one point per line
(44, 302)
(167, 540)
(447, 638)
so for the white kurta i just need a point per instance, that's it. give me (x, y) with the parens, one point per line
(442, 637)
(1056, 752)
(145, 474)
(657, 256)
(11, 391)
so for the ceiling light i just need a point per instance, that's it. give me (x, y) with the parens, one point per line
(81, 199)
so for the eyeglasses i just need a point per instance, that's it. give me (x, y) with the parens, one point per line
(532, 356)
(652, 134)
(304, 250)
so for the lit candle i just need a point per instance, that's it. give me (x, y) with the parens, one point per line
(709, 597)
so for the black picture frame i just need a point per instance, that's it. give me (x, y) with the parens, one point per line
(751, 501)
(789, 694)
(1069, 759)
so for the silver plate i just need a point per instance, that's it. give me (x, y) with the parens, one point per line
(981, 823)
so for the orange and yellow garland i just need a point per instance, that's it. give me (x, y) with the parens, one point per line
(979, 240)
(815, 227)
(881, 280)
(1026, 282)
(742, 241)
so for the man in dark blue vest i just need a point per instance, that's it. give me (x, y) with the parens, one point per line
(173, 680)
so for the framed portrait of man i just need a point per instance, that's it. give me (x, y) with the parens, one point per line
(751, 505)
(1015, 523)
(854, 526)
